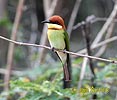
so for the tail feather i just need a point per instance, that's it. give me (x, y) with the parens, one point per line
(67, 73)
(66, 69)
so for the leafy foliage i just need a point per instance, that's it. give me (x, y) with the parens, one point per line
(45, 83)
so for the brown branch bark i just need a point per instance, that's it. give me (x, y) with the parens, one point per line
(11, 45)
(87, 34)
(49, 48)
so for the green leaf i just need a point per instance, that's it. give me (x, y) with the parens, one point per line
(101, 64)
(111, 74)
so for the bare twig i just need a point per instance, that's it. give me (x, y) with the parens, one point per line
(46, 5)
(24, 44)
(11, 45)
(49, 48)
(106, 25)
(93, 20)
(52, 7)
(48, 10)
(85, 60)
(87, 34)
(73, 16)
(98, 19)
(108, 35)
(100, 44)
(14, 72)
(104, 28)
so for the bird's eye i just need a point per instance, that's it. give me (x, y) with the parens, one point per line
(56, 22)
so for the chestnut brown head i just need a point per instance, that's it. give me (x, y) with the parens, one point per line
(55, 20)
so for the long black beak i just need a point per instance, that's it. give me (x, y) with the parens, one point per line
(45, 21)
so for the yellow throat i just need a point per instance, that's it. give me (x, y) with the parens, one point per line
(54, 26)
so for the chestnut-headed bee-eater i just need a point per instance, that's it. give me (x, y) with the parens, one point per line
(58, 38)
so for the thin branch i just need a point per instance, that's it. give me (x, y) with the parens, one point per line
(73, 16)
(14, 72)
(49, 48)
(108, 35)
(106, 25)
(48, 12)
(52, 7)
(82, 73)
(91, 18)
(86, 33)
(11, 45)
(98, 19)
(46, 5)
(92, 57)
(24, 44)
(92, 21)
(100, 44)
(103, 30)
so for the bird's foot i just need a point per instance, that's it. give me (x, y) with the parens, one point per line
(53, 49)
(56, 49)
(64, 51)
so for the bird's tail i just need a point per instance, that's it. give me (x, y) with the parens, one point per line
(67, 73)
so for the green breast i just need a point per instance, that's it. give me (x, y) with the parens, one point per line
(56, 38)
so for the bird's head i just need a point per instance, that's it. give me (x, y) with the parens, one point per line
(55, 22)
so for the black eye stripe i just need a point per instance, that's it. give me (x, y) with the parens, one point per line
(56, 22)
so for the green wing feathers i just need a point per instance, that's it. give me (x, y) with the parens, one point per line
(66, 40)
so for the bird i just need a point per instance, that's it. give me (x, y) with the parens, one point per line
(59, 39)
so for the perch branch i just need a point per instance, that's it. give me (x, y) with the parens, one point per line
(49, 48)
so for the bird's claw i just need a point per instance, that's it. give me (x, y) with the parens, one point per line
(64, 51)
(53, 49)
